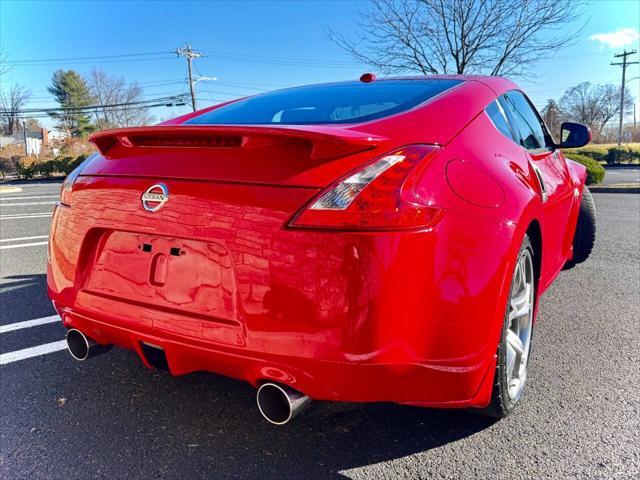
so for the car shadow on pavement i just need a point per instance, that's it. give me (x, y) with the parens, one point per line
(24, 297)
(123, 419)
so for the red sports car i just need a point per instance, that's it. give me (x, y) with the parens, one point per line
(373, 240)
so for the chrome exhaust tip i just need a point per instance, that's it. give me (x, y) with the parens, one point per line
(82, 347)
(279, 403)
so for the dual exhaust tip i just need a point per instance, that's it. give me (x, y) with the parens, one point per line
(277, 403)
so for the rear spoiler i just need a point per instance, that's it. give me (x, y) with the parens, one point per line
(326, 142)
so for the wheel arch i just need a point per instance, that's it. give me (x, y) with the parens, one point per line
(534, 231)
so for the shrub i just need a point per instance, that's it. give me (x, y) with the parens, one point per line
(6, 166)
(74, 163)
(595, 171)
(26, 167)
(45, 169)
(609, 153)
(622, 155)
(66, 165)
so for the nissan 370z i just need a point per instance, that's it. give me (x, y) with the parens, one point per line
(375, 240)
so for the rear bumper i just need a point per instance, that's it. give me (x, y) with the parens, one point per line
(418, 384)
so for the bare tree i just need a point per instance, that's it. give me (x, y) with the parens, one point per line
(11, 103)
(111, 90)
(552, 116)
(594, 105)
(495, 37)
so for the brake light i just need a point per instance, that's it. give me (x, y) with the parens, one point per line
(379, 196)
(66, 192)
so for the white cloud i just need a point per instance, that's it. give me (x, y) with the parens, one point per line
(617, 39)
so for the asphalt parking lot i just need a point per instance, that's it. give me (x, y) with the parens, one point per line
(621, 175)
(110, 417)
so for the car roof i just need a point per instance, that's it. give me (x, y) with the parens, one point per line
(498, 84)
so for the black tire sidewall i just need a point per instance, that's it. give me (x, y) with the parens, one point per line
(585, 235)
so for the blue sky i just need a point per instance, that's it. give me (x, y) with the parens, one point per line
(237, 36)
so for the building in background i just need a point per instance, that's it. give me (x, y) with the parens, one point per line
(34, 141)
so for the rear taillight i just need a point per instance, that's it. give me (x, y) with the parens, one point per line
(379, 196)
(67, 186)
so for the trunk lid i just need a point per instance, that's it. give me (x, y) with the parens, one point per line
(183, 228)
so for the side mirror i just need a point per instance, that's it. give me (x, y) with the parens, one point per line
(574, 135)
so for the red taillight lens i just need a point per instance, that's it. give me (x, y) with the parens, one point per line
(67, 186)
(379, 196)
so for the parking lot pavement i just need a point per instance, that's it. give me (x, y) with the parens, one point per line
(109, 417)
(621, 175)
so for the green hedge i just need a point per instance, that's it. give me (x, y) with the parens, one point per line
(623, 155)
(595, 171)
(609, 154)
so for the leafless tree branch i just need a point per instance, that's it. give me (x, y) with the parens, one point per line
(11, 103)
(594, 105)
(496, 37)
(111, 90)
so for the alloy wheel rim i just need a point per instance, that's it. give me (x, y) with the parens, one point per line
(520, 322)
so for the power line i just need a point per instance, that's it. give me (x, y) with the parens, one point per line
(169, 101)
(248, 57)
(44, 115)
(150, 84)
(92, 62)
(95, 57)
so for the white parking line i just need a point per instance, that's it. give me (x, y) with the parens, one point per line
(24, 204)
(21, 239)
(28, 197)
(36, 185)
(21, 245)
(26, 215)
(32, 352)
(29, 323)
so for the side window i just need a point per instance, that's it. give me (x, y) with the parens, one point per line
(526, 121)
(495, 113)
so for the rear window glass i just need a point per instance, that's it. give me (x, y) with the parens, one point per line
(348, 102)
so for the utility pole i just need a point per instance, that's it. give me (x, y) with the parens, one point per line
(24, 136)
(624, 66)
(190, 54)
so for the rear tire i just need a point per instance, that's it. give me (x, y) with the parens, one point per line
(515, 341)
(585, 236)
